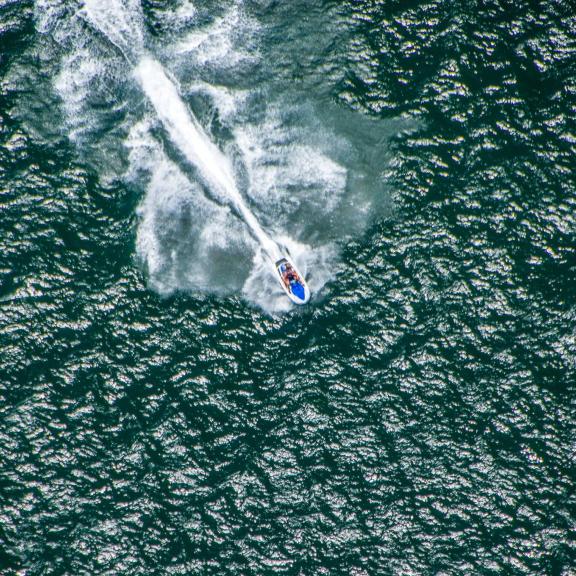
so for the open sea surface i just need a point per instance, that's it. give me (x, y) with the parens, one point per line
(165, 410)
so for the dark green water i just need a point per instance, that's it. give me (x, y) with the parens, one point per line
(162, 411)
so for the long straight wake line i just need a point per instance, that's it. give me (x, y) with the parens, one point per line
(213, 166)
(120, 22)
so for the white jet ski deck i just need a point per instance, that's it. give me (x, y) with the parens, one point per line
(292, 281)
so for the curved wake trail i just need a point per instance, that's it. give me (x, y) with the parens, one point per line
(186, 133)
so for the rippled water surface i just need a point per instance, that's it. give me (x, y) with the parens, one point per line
(163, 409)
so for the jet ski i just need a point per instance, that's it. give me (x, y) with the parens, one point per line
(292, 281)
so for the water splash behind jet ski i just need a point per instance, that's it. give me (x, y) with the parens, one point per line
(120, 23)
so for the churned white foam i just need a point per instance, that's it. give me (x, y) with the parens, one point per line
(47, 13)
(184, 240)
(74, 83)
(229, 103)
(226, 42)
(119, 20)
(316, 263)
(213, 167)
(198, 228)
(180, 16)
(286, 171)
(304, 187)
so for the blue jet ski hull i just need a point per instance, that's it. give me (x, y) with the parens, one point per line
(298, 290)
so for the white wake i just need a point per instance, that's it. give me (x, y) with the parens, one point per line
(212, 216)
(213, 166)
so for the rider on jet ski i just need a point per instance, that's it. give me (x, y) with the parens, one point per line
(292, 282)
(289, 275)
